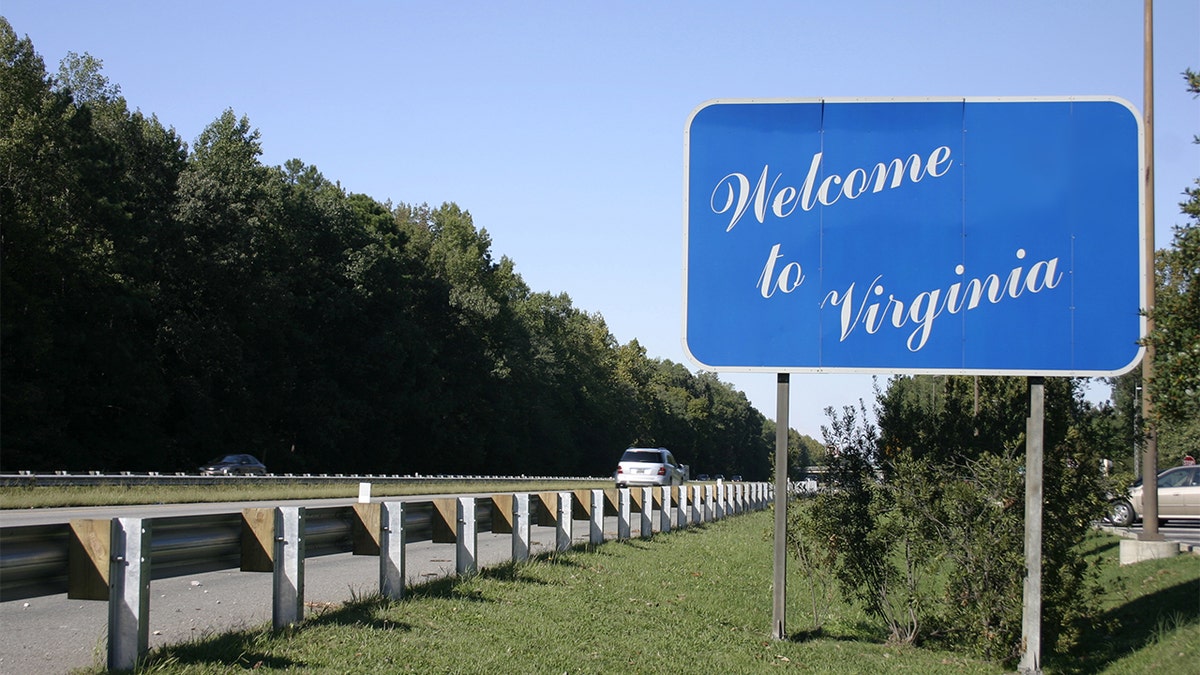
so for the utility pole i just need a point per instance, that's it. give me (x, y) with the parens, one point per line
(1150, 451)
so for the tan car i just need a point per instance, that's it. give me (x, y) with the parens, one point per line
(1178, 498)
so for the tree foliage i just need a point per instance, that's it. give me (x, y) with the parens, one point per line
(162, 304)
(936, 492)
(1175, 390)
(1176, 334)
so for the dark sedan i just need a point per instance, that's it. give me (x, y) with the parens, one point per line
(234, 465)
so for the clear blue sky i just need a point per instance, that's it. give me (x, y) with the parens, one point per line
(559, 125)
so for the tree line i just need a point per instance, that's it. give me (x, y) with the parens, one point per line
(163, 304)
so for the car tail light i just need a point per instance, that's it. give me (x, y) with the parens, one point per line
(620, 470)
(662, 470)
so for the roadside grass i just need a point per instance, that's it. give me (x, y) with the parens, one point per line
(697, 599)
(1151, 616)
(247, 489)
(694, 599)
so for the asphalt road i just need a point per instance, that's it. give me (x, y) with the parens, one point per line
(1183, 532)
(52, 634)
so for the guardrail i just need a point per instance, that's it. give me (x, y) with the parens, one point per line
(81, 478)
(115, 559)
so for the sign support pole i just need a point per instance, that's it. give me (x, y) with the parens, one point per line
(1031, 615)
(781, 503)
(1150, 444)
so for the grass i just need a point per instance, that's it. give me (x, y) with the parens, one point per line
(1151, 616)
(249, 490)
(696, 599)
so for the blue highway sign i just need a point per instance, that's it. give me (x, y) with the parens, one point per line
(987, 236)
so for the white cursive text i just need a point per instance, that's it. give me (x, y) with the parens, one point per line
(733, 193)
(926, 306)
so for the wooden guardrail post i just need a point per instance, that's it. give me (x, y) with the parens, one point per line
(258, 540)
(366, 528)
(88, 556)
(547, 515)
(596, 522)
(623, 514)
(521, 518)
(466, 558)
(444, 520)
(719, 502)
(697, 504)
(502, 513)
(611, 502)
(565, 530)
(129, 593)
(392, 538)
(581, 502)
(288, 589)
(710, 508)
(637, 495)
(647, 511)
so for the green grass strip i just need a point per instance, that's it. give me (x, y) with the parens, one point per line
(694, 600)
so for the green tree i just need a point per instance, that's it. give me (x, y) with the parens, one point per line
(937, 489)
(1176, 335)
(86, 185)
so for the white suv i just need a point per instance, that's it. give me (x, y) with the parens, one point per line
(648, 466)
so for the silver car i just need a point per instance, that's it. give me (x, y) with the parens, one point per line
(1178, 498)
(648, 466)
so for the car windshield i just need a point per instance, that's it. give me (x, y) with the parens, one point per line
(1175, 479)
(648, 456)
(226, 459)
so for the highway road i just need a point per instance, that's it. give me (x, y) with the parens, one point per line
(1184, 532)
(52, 634)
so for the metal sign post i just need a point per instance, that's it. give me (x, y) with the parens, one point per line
(781, 502)
(1031, 611)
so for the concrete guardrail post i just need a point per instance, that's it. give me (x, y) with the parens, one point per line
(287, 606)
(664, 513)
(647, 512)
(565, 530)
(129, 593)
(520, 531)
(623, 514)
(466, 559)
(596, 524)
(683, 506)
(391, 550)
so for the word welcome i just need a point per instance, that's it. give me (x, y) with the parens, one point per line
(733, 193)
(927, 306)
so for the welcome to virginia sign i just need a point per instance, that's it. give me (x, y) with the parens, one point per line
(988, 236)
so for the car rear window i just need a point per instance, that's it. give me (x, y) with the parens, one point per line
(648, 456)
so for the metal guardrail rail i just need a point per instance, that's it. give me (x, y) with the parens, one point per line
(34, 558)
(125, 478)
